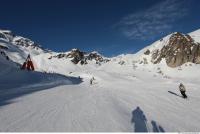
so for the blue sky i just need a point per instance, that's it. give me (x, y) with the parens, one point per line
(111, 27)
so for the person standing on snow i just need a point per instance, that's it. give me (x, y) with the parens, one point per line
(28, 57)
(182, 90)
(91, 80)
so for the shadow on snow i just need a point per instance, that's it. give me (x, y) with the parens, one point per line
(140, 122)
(175, 94)
(38, 82)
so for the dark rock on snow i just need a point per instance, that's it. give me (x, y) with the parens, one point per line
(81, 57)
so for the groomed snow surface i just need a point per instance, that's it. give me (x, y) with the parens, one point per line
(120, 100)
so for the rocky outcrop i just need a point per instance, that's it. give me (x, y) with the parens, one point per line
(78, 56)
(147, 52)
(26, 43)
(179, 50)
(97, 57)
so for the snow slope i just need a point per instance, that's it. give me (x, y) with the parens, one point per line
(109, 105)
(127, 95)
(18, 47)
(195, 35)
(15, 82)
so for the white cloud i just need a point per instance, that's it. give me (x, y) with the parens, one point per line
(156, 20)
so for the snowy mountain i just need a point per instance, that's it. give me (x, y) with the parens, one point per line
(17, 48)
(176, 50)
(77, 91)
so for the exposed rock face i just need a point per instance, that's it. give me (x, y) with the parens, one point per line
(97, 57)
(147, 52)
(82, 57)
(26, 43)
(180, 49)
(77, 56)
(8, 36)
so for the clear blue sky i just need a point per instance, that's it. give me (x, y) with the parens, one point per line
(111, 27)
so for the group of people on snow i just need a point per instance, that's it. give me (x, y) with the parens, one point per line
(28, 64)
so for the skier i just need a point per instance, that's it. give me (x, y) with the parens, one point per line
(182, 90)
(91, 80)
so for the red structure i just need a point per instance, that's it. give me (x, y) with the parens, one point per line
(28, 64)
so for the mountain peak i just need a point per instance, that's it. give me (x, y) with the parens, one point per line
(177, 49)
(5, 31)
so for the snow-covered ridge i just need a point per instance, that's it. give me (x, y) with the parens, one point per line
(168, 47)
(195, 35)
(71, 61)
(18, 47)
